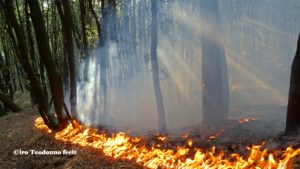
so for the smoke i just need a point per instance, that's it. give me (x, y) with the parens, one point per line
(259, 41)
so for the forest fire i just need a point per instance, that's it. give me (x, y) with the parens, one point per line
(123, 146)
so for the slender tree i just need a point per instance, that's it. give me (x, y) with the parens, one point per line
(5, 68)
(83, 13)
(155, 70)
(214, 69)
(293, 110)
(104, 57)
(66, 20)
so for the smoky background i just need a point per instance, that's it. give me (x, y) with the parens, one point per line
(259, 39)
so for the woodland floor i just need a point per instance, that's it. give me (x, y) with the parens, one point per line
(17, 131)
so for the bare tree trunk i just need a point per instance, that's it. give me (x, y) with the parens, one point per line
(102, 37)
(30, 39)
(103, 57)
(155, 70)
(6, 71)
(66, 20)
(56, 85)
(71, 56)
(214, 68)
(293, 111)
(83, 27)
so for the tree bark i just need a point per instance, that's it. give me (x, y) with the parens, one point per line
(214, 69)
(83, 10)
(6, 70)
(66, 20)
(103, 31)
(293, 110)
(155, 70)
(56, 85)
(9, 103)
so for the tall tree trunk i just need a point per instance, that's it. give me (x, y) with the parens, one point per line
(6, 71)
(56, 85)
(155, 70)
(31, 47)
(102, 37)
(83, 10)
(293, 110)
(214, 68)
(104, 57)
(18, 71)
(30, 40)
(66, 20)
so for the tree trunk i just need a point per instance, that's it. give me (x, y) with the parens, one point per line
(214, 68)
(6, 72)
(83, 27)
(56, 85)
(66, 20)
(103, 57)
(9, 103)
(30, 40)
(155, 70)
(293, 110)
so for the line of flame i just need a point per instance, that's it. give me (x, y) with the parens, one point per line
(123, 146)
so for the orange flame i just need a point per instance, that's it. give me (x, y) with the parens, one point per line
(123, 146)
(216, 135)
(247, 120)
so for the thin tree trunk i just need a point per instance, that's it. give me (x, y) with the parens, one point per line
(293, 110)
(83, 27)
(64, 60)
(66, 19)
(102, 37)
(155, 70)
(6, 71)
(103, 57)
(83, 13)
(18, 71)
(30, 39)
(31, 46)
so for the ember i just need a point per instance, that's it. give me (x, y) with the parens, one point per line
(216, 135)
(247, 120)
(123, 146)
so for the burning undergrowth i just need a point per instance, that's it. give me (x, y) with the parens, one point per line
(160, 151)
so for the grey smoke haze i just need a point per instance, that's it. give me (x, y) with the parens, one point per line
(259, 38)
